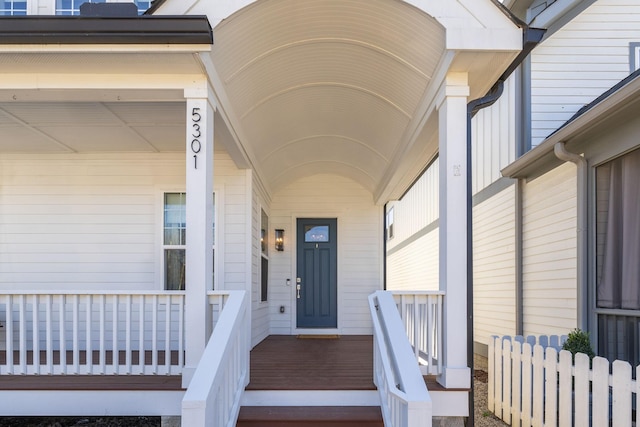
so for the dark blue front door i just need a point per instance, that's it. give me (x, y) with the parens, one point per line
(317, 296)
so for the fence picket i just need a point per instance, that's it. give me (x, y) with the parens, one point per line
(538, 386)
(621, 411)
(581, 374)
(533, 385)
(565, 393)
(600, 392)
(527, 371)
(506, 381)
(550, 386)
(516, 382)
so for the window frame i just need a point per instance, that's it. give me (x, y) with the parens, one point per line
(264, 256)
(160, 252)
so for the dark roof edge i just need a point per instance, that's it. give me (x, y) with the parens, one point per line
(105, 30)
(622, 83)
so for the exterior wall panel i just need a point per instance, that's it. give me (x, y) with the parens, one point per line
(494, 266)
(360, 230)
(550, 252)
(581, 61)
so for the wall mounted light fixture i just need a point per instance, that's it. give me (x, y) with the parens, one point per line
(279, 239)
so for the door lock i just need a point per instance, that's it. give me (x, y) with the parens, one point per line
(298, 286)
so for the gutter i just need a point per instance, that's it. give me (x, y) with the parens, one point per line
(531, 37)
(582, 244)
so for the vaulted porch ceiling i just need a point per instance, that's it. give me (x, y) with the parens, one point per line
(345, 86)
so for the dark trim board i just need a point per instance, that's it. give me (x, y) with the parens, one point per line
(105, 30)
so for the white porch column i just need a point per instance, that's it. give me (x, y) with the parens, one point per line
(452, 114)
(199, 224)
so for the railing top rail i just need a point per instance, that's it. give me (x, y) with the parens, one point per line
(96, 292)
(116, 292)
(405, 292)
(406, 367)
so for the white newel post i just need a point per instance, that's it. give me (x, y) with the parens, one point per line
(199, 232)
(452, 114)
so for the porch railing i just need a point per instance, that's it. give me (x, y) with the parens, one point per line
(421, 314)
(405, 400)
(213, 396)
(94, 332)
(533, 383)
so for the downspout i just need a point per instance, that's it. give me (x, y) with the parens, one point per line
(531, 38)
(581, 223)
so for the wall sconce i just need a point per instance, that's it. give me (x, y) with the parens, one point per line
(279, 239)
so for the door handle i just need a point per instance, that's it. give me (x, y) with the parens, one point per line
(298, 286)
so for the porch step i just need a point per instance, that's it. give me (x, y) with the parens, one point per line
(309, 416)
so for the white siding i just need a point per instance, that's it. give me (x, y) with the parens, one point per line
(412, 254)
(580, 62)
(260, 309)
(360, 230)
(549, 258)
(415, 266)
(493, 136)
(494, 266)
(94, 222)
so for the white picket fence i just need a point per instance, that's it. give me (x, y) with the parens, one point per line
(533, 383)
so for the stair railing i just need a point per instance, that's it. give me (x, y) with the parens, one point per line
(404, 398)
(214, 394)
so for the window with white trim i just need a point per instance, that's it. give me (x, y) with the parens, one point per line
(72, 7)
(13, 8)
(264, 255)
(174, 240)
(634, 56)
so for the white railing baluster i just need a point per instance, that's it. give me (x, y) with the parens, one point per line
(128, 335)
(76, 338)
(154, 334)
(35, 318)
(103, 333)
(167, 334)
(115, 356)
(9, 334)
(49, 332)
(141, 353)
(22, 333)
(89, 334)
(181, 334)
(62, 334)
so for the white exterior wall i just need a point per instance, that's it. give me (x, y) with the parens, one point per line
(494, 135)
(94, 222)
(581, 61)
(494, 266)
(550, 253)
(360, 229)
(412, 254)
(260, 309)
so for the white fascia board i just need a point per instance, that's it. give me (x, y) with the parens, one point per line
(486, 39)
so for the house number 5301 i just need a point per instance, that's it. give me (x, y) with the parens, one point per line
(196, 146)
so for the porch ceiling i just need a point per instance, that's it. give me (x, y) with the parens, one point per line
(329, 86)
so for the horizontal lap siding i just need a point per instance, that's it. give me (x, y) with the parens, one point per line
(359, 248)
(72, 222)
(494, 266)
(581, 61)
(412, 254)
(94, 222)
(549, 258)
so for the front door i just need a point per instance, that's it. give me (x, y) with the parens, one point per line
(316, 282)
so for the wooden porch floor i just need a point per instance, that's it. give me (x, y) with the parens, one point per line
(291, 363)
